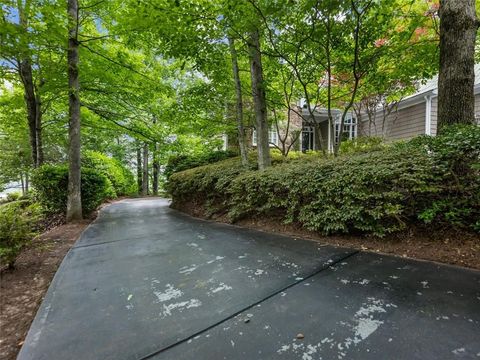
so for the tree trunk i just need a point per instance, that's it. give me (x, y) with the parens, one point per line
(27, 183)
(355, 72)
(23, 184)
(156, 169)
(74, 200)
(259, 100)
(139, 170)
(458, 29)
(38, 127)
(155, 164)
(145, 170)
(239, 103)
(25, 72)
(32, 98)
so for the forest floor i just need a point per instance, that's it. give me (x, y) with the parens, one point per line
(455, 247)
(23, 288)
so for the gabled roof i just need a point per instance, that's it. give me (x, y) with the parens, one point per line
(431, 85)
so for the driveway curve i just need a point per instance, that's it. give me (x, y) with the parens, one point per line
(147, 282)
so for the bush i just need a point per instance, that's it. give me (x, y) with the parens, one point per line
(428, 179)
(51, 181)
(13, 196)
(205, 184)
(184, 162)
(361, 145)
(121, 178)
(457, 158)
(18, 220)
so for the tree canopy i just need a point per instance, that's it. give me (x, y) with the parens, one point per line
(157, 78)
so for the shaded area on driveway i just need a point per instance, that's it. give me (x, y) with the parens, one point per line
(146, 281)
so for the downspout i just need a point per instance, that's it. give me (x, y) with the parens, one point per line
(329, 140)
(428, 114)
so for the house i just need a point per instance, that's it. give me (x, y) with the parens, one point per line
(412, 116)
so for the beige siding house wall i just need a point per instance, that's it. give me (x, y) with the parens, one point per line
(401, 124)
(415, 115)
(408, 121)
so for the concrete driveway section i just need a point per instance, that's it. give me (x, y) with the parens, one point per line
(147, 282)
(366, 307)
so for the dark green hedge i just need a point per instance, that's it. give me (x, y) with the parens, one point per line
(121, 178)
(428, 179)
(50, 184)
(183, 162)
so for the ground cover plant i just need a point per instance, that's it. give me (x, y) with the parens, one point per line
(424, 180)
(18, 225)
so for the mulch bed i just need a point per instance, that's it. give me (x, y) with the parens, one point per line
(454, 247)
(23, 288)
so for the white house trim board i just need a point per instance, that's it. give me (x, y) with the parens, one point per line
(428, 115)
(272, 137)
(329, 140)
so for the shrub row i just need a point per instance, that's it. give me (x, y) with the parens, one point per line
(183, 162)
(51, 181)
(429, 179)
(121, 178)
(102, 178)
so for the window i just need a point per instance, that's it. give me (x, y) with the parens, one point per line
(307, 138)
(272, 137)
(349, 128)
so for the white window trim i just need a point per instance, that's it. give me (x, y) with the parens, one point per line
(348, 122)
(271, 131)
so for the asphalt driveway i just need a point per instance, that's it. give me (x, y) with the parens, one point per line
(147, 282)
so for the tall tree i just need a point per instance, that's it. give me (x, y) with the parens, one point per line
(20, 52)
(74, 200)
(155, 164)
(145, 170)
(458, 31)
(239, 102)
(139, 169)
(259, 100)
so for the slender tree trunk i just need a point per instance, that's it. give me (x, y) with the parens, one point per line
(23, 184)
(27, 183)
(74, 200)
(259, 101)
(32, 98)
(155, 164)
(239, 103)
(38, 127)
(25, 72)
(331, 122)
(139, 169)
(156, 169)
(359, 13)
(145, 170)
(458, 30)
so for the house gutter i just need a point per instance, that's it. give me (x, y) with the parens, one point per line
(428, 114)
